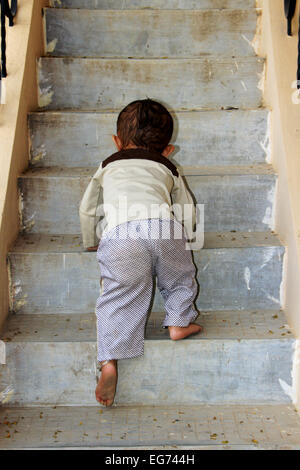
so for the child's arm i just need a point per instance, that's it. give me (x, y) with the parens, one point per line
(184, 206)
(88, 211)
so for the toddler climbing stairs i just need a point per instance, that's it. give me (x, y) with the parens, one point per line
(229, 387)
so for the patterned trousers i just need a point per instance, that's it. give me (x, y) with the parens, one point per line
(130, 256)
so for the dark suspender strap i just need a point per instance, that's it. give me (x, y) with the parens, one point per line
(142, 154)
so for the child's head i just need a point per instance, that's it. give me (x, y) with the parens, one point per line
(145, 124)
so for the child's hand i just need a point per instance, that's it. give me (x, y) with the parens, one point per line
(92, 248)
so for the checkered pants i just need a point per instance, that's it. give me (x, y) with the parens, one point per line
(130, 256)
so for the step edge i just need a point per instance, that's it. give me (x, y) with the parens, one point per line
(256, 169)
(290, 339)
(49, 112)
(275, 241)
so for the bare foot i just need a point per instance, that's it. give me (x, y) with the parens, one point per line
(178, 332)
(106, 388)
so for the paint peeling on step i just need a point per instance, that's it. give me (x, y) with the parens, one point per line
(297, 355)
(10, 286)
(271, 297)
(244, 85)
(51, 45)
(282, 289)
(45, 91)
(45, 97)
(262, 80)
(247, 40)
(37, 158)
(17, 288)
(18, 304)
(268, 218)
(8, 391)
(28, 223)
(2, 352)
(55, 3)
(21, 206)
(205, 267)
(256, 41)
(268, 255)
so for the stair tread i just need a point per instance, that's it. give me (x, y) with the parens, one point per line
(78, 172)
(221, 326)
(202, 426)
(44, 243)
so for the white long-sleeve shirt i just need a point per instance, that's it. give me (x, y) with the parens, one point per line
(134, 184)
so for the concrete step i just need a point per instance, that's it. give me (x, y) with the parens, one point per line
(149, 34)
(242, 357)
(152, 4)
(203, 138)
(110, 84)
(204, 427)
(239, 271)
(235, 198)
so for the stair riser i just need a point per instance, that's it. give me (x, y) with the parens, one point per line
(191, 372)
(102, 84)
(148, 34)
(153, 4)
(232, 202)
(230, 279)
(204, 138)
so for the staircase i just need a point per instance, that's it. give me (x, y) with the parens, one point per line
(229, 387)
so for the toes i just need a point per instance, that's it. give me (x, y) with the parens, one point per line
(98, 399)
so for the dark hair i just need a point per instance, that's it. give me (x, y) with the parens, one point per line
(146, 124)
